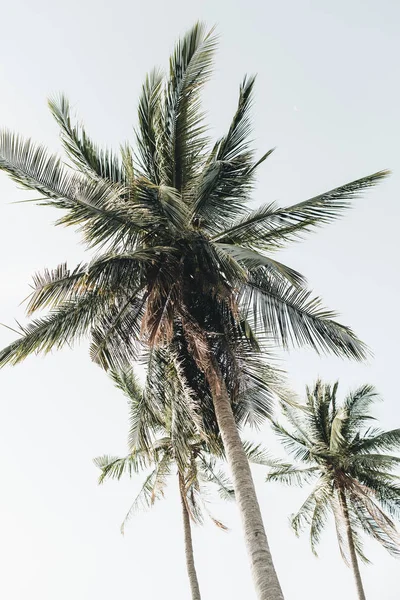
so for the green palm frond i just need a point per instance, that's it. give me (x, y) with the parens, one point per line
(116, 334)
(148, 132)
(113, 467)
(271, 227)
(321, 493)
(89, 204)
(152, 489)
(55, 286)
(66, 324)
(291, 475)
(111, 271)
(375, 462)
(380, 441)
(294, 443)
(218, 477)
(294, 318)
(255, 261)
(228, 176)
(84, 154)
(385, 487)
(373, 520)
(256, 453)
(183, 143)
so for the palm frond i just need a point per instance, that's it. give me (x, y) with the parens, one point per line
(373, 520)
(254, 261)
(183, 140)
(256, 453)
(380, 441)
(66, 324)
(89, 204)
(291, 475)
(294, 443)
(84, 154)
(320, 494)
(294, 318)
(114, 467)
(271, 227)
(148, 132)
(116, 335)
(228, 176)
(152, 489)
(218, 477)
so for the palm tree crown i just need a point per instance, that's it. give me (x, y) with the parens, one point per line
(179, 254)
(164, 441)
(336, 446)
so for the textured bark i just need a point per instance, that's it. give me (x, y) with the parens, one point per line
(191, 569)
(352, 550)
(265, 579)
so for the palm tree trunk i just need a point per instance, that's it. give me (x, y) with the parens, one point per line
(353, 554)
(191, 570)
(265, 578)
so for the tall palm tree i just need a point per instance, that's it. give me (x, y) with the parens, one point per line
(181, 259)
(337, 446)
(165, 440)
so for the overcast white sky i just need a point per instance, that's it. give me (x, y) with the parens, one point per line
(328, 97)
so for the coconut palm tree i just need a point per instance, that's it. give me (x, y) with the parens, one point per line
(168, 439)
(180, 258)
(337, 446)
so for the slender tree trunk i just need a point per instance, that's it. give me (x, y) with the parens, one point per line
(191, 570)
(352, 550)
(265, 578)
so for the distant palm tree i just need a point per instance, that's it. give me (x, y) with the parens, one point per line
(337, 446)
(167, 439)
(181, 260)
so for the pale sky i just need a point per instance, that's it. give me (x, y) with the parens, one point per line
(328, 97)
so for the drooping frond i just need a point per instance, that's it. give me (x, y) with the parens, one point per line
(66, 324)
(216, 476)
(385, 487)
(254, 262)
(58, 285)
(320, 496)
(372, 519)
(152, 489)
(116, 335)
(294, 318)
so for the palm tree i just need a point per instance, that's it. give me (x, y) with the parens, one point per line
(167, 439)
(181, 260)
(337, 446)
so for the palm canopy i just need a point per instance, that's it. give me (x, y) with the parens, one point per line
(167, 442)
(179, 256)
(338, 447)
(167, 432)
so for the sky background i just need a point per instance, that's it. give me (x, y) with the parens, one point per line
(328, 97)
